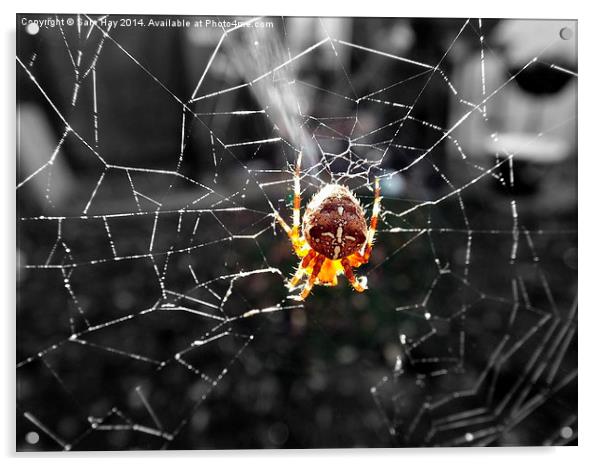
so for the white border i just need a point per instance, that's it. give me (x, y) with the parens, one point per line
(590, 174)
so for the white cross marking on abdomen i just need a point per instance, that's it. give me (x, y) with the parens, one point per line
(340, 234)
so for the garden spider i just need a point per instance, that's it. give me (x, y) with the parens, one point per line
(334, 236)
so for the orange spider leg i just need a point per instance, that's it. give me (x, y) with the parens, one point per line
(351, 276)
(292, 283)
(364, 256)
(301, 269)
(297, 196)
(299, 243)
(312, 279)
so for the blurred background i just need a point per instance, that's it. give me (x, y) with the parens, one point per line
(151, 306)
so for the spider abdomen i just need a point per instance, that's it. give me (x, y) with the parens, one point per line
(334, 224)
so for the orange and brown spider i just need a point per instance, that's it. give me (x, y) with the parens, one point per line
(334, 236)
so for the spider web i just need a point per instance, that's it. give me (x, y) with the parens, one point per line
(161, 319)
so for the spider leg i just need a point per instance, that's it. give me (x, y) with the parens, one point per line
(303, 264)
(298, 241)
(297, 196)
(284, 225)
(312, 278)
(351, 276)
(365, 255)
(299, 244)
(296, 278)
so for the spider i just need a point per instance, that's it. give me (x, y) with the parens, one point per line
(334, 236)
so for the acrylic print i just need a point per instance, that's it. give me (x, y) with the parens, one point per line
(289, 232)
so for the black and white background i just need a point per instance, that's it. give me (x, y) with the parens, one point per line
(470, 317)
